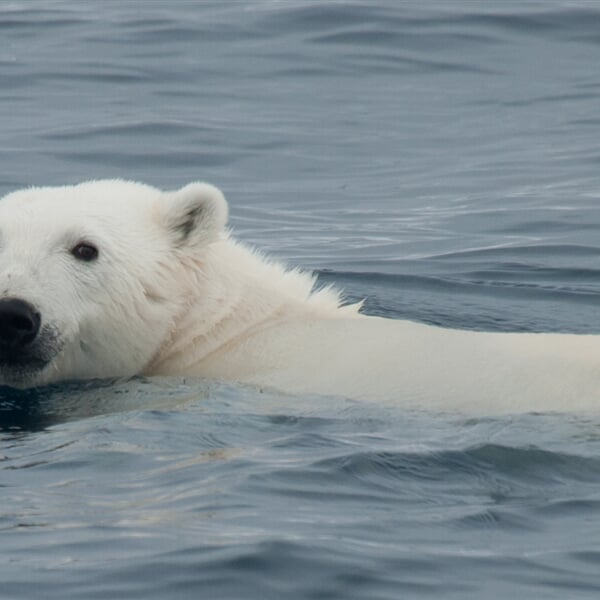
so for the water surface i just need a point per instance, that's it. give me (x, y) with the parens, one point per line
(441, 160)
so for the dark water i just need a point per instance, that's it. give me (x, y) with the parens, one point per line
(441, 159)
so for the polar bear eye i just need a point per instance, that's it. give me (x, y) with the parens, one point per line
(85, 251)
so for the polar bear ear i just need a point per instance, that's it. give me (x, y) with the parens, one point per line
(195, 215)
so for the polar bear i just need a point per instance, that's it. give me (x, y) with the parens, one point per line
(113, 278)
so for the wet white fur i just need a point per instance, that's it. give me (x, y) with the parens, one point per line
(172, 293)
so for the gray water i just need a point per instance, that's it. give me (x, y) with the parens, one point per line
(440, 159)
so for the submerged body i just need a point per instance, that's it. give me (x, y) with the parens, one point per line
(417, 365)
(113, 279)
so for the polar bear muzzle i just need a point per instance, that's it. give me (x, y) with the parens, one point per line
(19, 324)
(23, 347)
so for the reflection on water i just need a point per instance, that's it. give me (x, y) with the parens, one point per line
(38, 408)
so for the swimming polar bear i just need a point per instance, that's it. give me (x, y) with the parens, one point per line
(112, 279)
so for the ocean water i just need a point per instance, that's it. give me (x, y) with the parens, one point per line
(441, 160)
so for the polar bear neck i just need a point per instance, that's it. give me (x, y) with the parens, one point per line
(234, 293)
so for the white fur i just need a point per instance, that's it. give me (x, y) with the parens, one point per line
(171, 293)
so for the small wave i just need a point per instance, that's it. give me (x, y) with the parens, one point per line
(529, 466)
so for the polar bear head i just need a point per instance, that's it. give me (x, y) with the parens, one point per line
(92, 276)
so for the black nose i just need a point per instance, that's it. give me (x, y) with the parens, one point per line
(19, 322)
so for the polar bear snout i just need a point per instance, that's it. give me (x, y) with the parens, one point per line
(19, 324)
